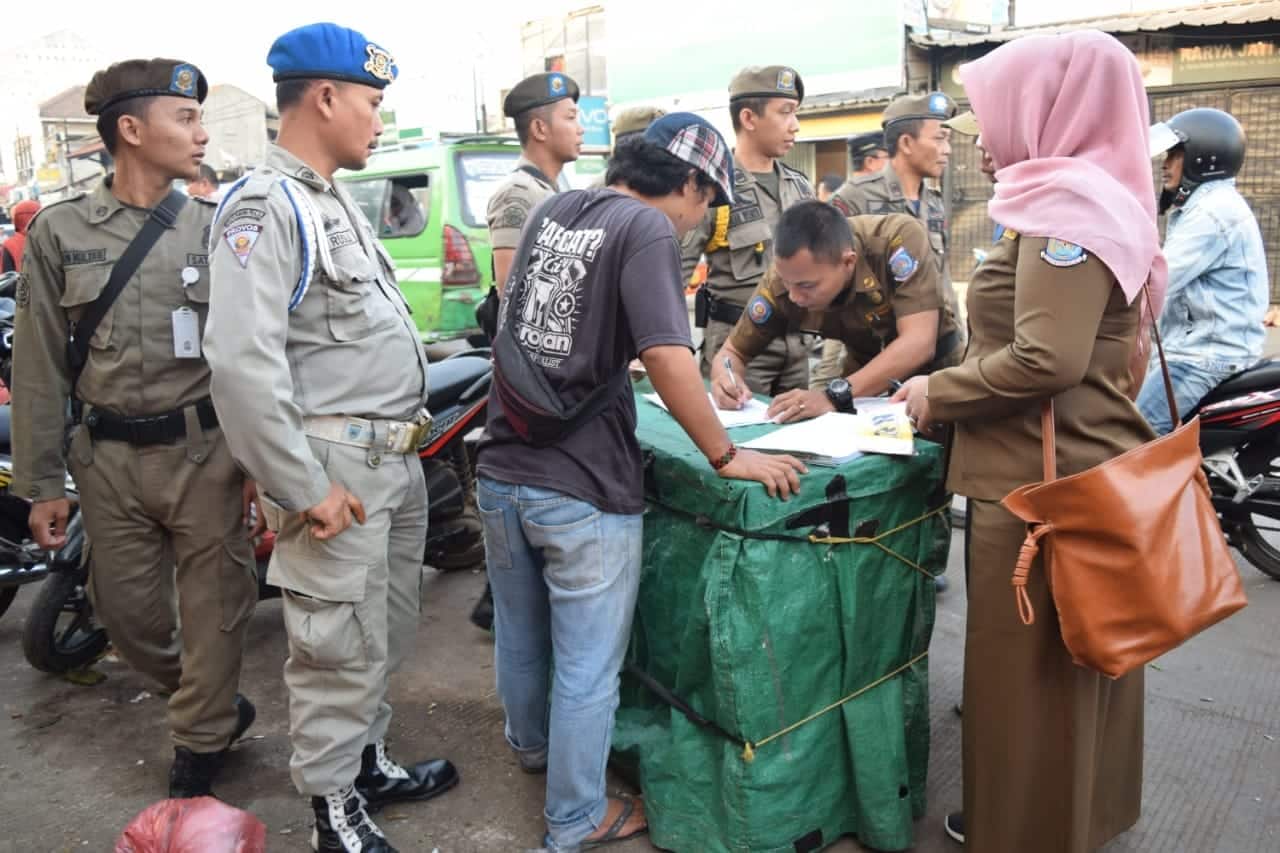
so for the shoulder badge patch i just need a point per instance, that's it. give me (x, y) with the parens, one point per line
(759, 310)
(242, 239)
(1060, 253)
(902, 265)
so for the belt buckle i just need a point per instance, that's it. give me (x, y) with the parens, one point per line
(146, 430)
(421, 433)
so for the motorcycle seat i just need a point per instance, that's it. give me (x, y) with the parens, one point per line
(448, 379)
(1263, 376)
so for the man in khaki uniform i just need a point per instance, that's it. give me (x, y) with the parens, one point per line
(544, 108)
(867, 282)
(156, 480)
(738, 240)
(867, 154)
(919, 147)
(628, 123)
(322, 380)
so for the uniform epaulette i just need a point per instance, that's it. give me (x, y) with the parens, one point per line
(794, 171)
(865, 179)
(36, 217)
(205, 201)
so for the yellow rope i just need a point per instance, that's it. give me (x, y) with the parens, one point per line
(749, 748)
(875, 540)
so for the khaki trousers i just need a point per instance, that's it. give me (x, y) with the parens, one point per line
(351, 609)
(783, 366)
(147, 509)
(1052, 751)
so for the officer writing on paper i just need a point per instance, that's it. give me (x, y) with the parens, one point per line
(322, 380)
(867, 281)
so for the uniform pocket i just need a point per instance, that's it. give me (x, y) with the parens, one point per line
(568, 533)
(326, 634)
(83, 285)
(350, 310)
(746, 262)
(321, 577)
(238, 582)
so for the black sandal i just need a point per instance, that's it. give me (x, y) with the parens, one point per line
(611, 835)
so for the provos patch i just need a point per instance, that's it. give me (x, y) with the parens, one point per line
(242, 239)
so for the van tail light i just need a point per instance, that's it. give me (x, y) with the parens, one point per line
(459, 262)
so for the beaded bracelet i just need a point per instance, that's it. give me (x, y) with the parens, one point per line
(724, 460)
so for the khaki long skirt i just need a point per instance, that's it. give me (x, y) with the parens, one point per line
(1052, 751)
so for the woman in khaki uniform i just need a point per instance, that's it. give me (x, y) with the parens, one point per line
(1052, 751)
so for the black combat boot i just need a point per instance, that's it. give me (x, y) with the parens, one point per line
(192, 773)
(383, 781)
(245, 715)
(343, 826)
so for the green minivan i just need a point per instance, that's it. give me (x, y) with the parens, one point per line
(426, 202)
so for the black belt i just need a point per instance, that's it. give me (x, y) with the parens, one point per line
(152, 429)
(725, 312)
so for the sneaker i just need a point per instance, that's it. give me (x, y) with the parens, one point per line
(343, 826)
(954, 825)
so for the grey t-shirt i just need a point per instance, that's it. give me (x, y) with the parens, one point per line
(601, 285)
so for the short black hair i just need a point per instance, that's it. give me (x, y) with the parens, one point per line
(207, 173)
(737, 105)
(109, 119)
(524, 120)
(288, 92)
(903, 127)
(651, 171)
(860, 160)
(832, 182)
(813, 225)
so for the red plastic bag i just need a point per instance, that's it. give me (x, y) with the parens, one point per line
(200, 825)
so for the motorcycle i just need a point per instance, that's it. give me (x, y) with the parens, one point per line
(61, 633)
(1240, 442)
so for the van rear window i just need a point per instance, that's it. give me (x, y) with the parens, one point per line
(479, 174)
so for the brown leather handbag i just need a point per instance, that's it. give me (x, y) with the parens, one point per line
(1134, 554)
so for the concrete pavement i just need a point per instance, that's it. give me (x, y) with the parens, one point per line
(78, 762)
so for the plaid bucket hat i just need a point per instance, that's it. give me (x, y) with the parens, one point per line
(694, 140)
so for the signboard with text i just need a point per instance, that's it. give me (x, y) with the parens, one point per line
(594, 118)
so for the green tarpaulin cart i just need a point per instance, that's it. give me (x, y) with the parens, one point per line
(796, 633)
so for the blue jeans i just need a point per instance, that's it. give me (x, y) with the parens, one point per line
(565, 577)
(1192, 380)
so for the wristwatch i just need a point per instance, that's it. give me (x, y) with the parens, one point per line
(840, 395)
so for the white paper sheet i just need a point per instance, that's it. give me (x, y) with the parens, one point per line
(753, 413)
(836, 437)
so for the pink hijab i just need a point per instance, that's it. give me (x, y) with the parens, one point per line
(1065, 120)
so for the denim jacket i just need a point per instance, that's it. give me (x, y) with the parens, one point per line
(1218, 284)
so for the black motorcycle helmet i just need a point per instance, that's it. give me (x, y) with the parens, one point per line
(1213, 149)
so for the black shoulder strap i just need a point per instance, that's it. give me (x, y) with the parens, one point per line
(163, 216)
(6, 261)
(536, 173)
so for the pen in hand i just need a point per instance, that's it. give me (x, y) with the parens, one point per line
(733, 380)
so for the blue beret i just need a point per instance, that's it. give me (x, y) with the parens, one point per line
(330, 52)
